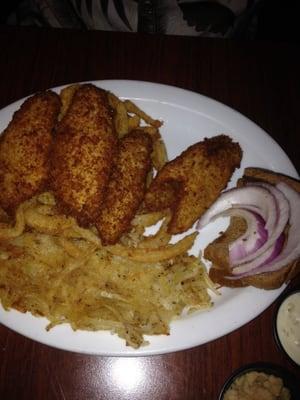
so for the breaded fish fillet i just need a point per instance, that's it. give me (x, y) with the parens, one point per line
(24, 149)
(190, 183)
(82, 154)
(127, 186)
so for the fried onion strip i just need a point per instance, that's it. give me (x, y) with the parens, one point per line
(161, 238)
(150, 255)
(121, 120)
(148, 219)
(159, 154)
(7, 231)
(133, 108)
(133, 122)
(51, 224)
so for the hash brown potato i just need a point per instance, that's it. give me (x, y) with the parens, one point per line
(52, 267)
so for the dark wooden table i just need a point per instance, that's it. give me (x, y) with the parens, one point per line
(261, 80)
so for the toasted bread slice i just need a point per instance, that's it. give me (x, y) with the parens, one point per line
(217, 252)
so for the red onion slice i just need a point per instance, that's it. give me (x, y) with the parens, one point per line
(254, 237)
(267, 257)
(275, 225)
(291, 250)
(260, 201)
(276, 206)
(257, 199)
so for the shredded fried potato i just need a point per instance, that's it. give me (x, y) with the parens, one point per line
(56, 269)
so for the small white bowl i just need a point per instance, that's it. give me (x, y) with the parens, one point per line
(286, 325)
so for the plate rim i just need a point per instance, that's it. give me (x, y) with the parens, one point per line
(143, 351)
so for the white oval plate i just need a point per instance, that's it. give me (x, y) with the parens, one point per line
(188, 118)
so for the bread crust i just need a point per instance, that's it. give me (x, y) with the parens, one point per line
(217, 252)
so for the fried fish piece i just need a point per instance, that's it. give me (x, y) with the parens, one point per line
(127, 186)
(190, 183)
(24, 149)
(82, 154)
(66, 96)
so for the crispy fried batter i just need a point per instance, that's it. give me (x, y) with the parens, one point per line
(127, 186)
(191, 182)
(66, 96)
(24, 149)
(82, 154)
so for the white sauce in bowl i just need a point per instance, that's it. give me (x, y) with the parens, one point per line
(288, 326)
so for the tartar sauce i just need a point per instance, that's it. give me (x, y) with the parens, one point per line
(288, 326)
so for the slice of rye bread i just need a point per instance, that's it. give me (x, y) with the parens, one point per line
(217, 251)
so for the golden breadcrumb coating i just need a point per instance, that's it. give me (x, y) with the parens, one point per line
(83, 153)
(190, 183)
(24, 149)
(127, 186)
(66, 96)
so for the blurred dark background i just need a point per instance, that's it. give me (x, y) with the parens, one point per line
(275, 20)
